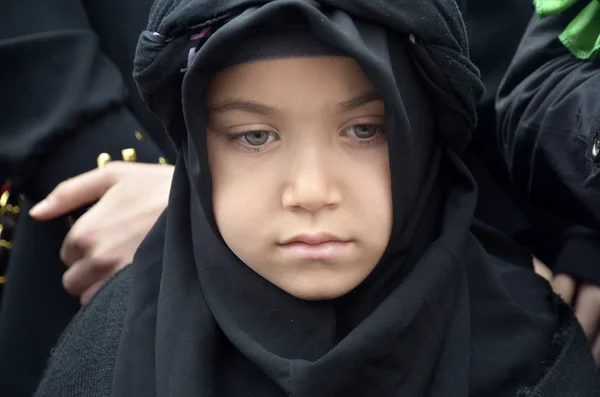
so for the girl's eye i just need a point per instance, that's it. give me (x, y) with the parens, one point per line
(253, 140)
(363, 131)
(256, 138)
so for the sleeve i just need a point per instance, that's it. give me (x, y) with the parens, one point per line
(63, 101)
(549, 123)
(549, 133)
(566, 247)
(82, 364)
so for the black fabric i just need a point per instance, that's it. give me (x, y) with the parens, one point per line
(59, 87)
(35, 307)
(547, 123)
(118, 25)
(562, 244)
(67, 95)
(452, 308)
(492, 48)
(83, 364)
(564, 373)
(83, 148)
(565, 246)
(274, 43)
(442, 28)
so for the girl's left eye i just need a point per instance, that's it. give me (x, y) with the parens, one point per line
(364, 131)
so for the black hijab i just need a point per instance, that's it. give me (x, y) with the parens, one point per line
(201, 323)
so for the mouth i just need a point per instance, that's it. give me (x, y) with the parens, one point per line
(317, 246)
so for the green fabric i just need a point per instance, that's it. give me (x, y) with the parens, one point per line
(582, 35)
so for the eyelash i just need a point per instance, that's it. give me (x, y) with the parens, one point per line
(236, 138)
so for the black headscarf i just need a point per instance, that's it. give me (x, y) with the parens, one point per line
(201, 323)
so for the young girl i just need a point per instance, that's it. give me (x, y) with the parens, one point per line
(319, 239)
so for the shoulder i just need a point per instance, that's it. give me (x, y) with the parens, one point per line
(83, 362)
(569, 357)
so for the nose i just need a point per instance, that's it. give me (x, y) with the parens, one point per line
(312, 184)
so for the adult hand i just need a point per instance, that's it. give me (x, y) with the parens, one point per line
(584, 297)
(130, 197)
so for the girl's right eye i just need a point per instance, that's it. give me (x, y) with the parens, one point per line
(254, 140)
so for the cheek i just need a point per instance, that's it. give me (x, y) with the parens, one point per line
(242, 199)
(372, 193)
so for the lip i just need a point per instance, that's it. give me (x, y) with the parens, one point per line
(317, 246)
(314, 238)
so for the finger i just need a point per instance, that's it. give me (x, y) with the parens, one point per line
(89, 293)
(70, 253)
(542, 270)
(90, 230)
(78, 241)
(596, 350)
(75, 193)
(564, 285)
(81, 276)
(587, 309)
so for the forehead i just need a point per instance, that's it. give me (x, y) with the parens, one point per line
(322, 79)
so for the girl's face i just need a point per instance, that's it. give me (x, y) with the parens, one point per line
(300, 170)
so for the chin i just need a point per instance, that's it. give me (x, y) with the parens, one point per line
(318, 290)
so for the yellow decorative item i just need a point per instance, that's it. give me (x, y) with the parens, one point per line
(129, 155)
(6, 208)
(4, 199)
(102, 159)
(9, 211)
(6, 244)
(140, 136)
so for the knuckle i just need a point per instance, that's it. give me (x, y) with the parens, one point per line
(113, 168)
(64, 256)
(116, 171)
(81, 239)
(101, 262)
(70, 284)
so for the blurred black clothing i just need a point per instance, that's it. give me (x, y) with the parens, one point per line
(67, 96)
(548, 122)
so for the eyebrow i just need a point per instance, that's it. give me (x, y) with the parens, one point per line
(243, 106)
(357, 102)
(265, 110)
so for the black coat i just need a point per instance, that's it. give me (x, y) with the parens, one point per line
(548, 128)
(67, 96)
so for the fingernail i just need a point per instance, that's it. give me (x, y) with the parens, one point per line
(39, 207)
